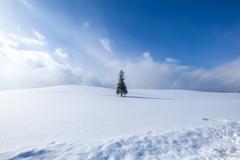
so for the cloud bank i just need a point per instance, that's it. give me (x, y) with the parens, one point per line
(30, 68)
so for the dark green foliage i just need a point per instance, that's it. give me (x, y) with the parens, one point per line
(121, 86)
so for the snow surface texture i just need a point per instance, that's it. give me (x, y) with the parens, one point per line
(82, 122)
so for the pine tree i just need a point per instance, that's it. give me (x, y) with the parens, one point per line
(121, 86)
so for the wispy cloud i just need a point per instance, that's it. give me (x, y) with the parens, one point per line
(15, 25)
(105, 43)
(86, 25)
(27, 4)
(60, 52)
(171, 60)
(28, 40)
(39, 36)
(32, 41)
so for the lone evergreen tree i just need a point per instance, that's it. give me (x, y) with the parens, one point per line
(121, 86)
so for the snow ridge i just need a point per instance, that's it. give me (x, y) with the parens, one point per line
(212, 142)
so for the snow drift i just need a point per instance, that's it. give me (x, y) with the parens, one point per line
(83, 122)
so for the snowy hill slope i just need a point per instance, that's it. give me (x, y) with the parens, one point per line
(83, 122)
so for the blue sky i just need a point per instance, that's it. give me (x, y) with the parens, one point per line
(159, 44)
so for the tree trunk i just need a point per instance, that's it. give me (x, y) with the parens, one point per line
(121, 93)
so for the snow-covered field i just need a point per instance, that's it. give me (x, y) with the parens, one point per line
(83, 122)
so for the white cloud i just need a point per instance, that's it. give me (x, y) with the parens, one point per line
(156, 75)
(86, 25)
(38, 69)
(6, 42)
(60, 52)
(24, 69)
(170, 60)
(28, 40)
(105, 43)
(147, 56)
(40, 36)
(32, 41)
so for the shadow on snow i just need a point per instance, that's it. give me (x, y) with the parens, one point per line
(149, 98)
